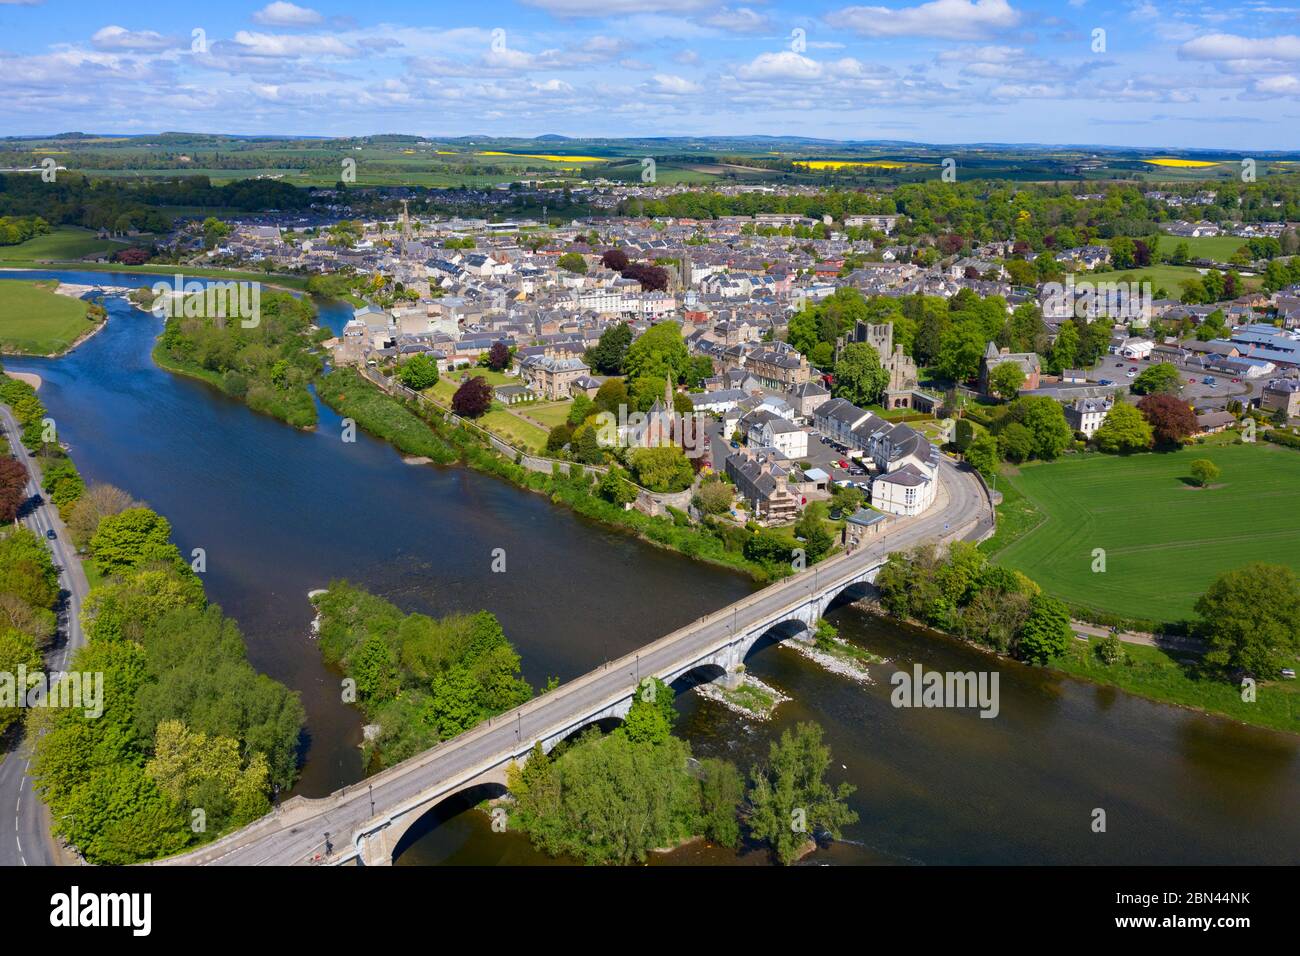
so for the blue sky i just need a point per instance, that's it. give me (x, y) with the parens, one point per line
(1165, 73)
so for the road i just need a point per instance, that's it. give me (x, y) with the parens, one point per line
(296, 832)
(27, 842)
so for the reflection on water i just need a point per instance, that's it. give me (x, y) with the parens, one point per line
(281, 512)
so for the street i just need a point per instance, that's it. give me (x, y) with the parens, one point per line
(29, 841)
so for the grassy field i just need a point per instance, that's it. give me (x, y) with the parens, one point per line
(64, 243)
(549, 414)
(1164, 541)
(1219, 248)
(1170, 278)
(34, 320)
(515, 430)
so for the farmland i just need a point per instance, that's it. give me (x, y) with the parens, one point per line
(64, 243)
(1164, 541)
(35, 320)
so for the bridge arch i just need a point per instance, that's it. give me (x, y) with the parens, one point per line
(792, 627)
(438, 814)
(705, 672)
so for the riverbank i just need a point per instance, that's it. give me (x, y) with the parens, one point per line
(1156, 675)
(416, 430)
(289, 283)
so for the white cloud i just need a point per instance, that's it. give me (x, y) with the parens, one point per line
(120, 38)
(1226, 46)
(282, 14)
(279, 45)
(673, 85)
(739, 20)
(607, 8)
(786, 65)
(945, 19)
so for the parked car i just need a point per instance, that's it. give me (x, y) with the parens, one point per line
(1288, 673)
(843, 463)
(1132, 368)
(1105, 381)
(1236, 381)
(1207, 380)
(1213, 383)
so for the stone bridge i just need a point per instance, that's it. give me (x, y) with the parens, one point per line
(367, 821)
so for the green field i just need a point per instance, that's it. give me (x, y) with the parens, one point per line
(1170, 278)
(1219, 248)
(1165, 542)
(64, 243)
(34, 320)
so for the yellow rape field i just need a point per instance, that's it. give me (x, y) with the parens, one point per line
(1180, 163)
(841, 164)
(548, 157)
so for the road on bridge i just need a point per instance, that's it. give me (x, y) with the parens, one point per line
(27, 840)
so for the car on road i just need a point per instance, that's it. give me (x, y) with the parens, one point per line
(1212, 383)
(1236, 381)
(843, 464)
(1208, 381)
(51, 534)
(1132, 368)
(1105, 381)
(37, 500)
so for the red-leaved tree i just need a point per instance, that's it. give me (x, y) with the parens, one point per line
(13, 481)
(473, 398)
(1171, 418)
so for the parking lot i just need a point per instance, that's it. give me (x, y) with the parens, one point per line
(1122, 371)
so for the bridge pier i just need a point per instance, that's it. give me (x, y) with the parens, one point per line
(376, 847)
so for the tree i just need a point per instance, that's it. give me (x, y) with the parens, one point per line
(960, 350)
(611, 395)
(1016, 442)
(1046, 633)
(419, 372)
(982, 455)
(16, 650)
(606, 356)
(1157, 379)
(1045, 419)
(658, 353)
(790, 800)
(1065, 350)
(473, 398)
(131, 538)
(498, 357)
(1251, 619)
(664, 468)
(573, 262)
(13, 488)
(1124, 430)
(816, 539)
(859, 376)
(616, 488)
(1006, 379)
(651, 716)
(714, 497)
(1171, 418)
(1204, 471)
(615, 259)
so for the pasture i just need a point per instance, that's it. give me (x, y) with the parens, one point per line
(1164, 541)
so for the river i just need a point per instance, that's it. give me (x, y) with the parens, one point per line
(280, 511)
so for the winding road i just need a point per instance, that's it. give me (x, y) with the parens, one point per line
(27, 842)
